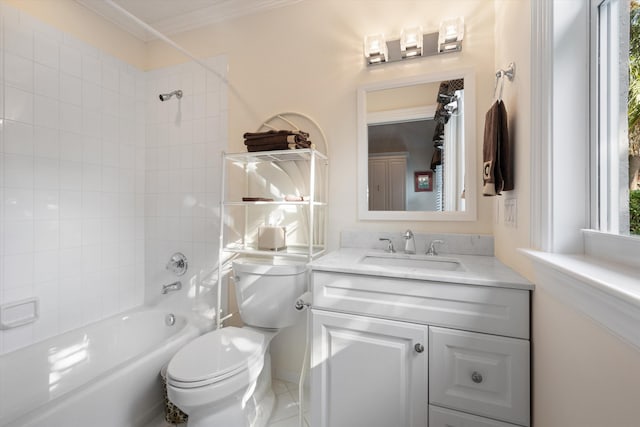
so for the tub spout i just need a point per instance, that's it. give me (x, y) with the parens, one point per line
(175, 286)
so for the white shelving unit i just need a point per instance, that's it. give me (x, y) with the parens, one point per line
(274, 175)
(271, 176)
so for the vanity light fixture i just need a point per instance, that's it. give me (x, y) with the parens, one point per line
(413, 43)
(375, 49)
(450, 35)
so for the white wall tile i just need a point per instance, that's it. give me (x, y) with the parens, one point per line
(70, 89)
(46, 81)
(18, 171)
(70, 234)
(18, 270)
(91, 69)
(46, 235)
(45, 266)
(18, 39)
(70, 175)
(46, 142)
(18, 72)
(91, 96)
(91, 177)
(18, 238)
(18, 105)
(46, 112)
(46, 51)
(18, 204)
(70, 146)
(18, 138)
(46, 173)
(70, 118)
(46, 204)
(70, 61)
(70, 204)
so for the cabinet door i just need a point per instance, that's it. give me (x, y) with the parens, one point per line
(368, 372)
(378, 185)
(478, 373)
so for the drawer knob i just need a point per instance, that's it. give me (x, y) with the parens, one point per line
(476, 377)
(418, 348)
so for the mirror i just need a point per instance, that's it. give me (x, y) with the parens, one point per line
(417, 149)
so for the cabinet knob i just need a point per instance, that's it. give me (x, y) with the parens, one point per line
(418, 348)
(476, 377)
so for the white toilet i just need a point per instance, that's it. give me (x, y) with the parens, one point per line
(223, 378)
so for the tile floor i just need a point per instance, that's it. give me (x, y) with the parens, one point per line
(285, 413)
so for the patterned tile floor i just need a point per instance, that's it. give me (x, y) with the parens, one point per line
(285, 413)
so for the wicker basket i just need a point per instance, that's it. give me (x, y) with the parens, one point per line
(172, 414)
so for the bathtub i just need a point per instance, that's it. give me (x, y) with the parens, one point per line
(104, 374)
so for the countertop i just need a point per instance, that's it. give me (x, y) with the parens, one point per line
(478, 270)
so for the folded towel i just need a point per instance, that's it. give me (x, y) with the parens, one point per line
(496, 153)
(295, 134)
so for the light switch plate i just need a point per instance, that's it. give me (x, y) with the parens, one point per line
(510, 213)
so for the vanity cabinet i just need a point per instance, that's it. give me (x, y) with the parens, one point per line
(402, 352)
(374, 371)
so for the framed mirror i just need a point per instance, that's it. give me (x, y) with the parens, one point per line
(417, 148)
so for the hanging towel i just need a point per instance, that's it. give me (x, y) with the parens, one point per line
(497, 167)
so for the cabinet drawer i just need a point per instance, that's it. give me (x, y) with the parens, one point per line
(441, 417)
(499, 311)
(482, 374)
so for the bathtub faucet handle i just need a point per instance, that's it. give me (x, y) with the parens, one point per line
(178, 264)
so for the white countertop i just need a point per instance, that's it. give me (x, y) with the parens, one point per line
(478, 270)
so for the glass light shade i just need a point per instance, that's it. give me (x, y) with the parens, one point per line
(375, 48)
(411, 42)
(450, 35)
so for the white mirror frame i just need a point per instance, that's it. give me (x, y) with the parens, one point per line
(470, 180)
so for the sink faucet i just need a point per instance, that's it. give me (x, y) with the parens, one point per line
(432, 247)
(390, 247)
(175, 286)
(410, 243)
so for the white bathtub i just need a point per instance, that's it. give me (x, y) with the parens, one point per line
(105, 374)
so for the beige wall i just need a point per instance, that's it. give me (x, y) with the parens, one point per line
(513, 18)
(582, 374)
(78, 21)
(308, 58)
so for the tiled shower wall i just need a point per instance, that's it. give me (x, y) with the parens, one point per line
(76, 127)
(185, 139)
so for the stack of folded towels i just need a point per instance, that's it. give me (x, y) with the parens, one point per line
(277, 140)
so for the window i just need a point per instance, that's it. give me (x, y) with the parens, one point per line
(616, 112)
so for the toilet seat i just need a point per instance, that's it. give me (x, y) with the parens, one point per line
(216, 356)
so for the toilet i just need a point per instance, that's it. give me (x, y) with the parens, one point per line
(223, 378)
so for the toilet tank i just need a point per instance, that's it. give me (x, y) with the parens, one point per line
(267, 289)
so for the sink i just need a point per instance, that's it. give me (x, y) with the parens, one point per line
(424, 262)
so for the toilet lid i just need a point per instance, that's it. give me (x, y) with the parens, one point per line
(216, 354)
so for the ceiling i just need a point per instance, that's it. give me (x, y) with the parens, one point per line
(175, 16)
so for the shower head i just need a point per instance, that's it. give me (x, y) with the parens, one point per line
(167, 96)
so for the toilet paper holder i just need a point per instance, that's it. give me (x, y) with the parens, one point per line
(304, 301)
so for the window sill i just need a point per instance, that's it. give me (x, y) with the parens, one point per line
(607, 292)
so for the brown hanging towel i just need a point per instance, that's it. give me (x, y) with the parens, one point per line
(497, 171)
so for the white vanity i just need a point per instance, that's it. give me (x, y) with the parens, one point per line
(416, 340)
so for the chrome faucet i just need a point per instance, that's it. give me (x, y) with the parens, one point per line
(390, 247)
(410, 243)
(175, 286)
(432, 247)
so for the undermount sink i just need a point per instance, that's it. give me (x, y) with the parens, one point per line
(425, 262)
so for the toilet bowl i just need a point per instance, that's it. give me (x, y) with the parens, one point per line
(224, 377)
